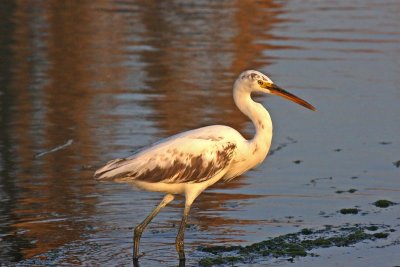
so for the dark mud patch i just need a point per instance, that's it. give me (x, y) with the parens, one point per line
(351, 191)
(282, 145)
(349, 211)
(385, 143)
(314, 181)
(293, 245)
(397, 164)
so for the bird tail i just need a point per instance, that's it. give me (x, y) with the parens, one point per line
(110, 170)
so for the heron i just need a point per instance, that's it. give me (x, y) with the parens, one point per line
(189, 162)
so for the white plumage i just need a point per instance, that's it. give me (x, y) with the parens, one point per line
(189, 162)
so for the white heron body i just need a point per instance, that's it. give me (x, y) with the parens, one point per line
(205, 142)
(189, 162)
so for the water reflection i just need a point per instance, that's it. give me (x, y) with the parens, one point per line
(186, 61)
(49, 105)
(111, 77)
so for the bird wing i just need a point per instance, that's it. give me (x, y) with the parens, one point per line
(182, 159)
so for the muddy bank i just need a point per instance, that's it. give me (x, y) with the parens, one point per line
(293, 245)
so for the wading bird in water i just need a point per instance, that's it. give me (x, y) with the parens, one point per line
(189, 162)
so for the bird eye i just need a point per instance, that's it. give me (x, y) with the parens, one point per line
(260, 82)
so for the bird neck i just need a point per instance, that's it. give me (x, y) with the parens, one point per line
(261, 119)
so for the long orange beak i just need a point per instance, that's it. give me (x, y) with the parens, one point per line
(276, 90)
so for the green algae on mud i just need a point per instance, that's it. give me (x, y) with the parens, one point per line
(292, 245)
(306, 231)
(383, 203)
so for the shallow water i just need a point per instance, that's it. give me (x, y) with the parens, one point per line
(104, 79)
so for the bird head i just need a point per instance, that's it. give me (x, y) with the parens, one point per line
(255, 81)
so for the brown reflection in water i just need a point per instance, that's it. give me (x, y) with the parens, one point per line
(70, 43)
(9, 243)
(51, 85)
(199, 49)
(248, 45)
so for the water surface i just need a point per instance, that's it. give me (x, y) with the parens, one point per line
(106, 78)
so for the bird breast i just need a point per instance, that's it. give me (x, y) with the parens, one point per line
(247, 157)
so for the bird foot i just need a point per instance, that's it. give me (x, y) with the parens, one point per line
(182, 262)
(181, 256)
(135, 262)
(138, 256)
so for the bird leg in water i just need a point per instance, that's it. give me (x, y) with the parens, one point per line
(181, 234)
(140, 228)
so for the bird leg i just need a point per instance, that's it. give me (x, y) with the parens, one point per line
(180, 237)
(140, 228)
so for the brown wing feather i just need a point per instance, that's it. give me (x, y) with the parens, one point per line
(197, 171)
(185, 168)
